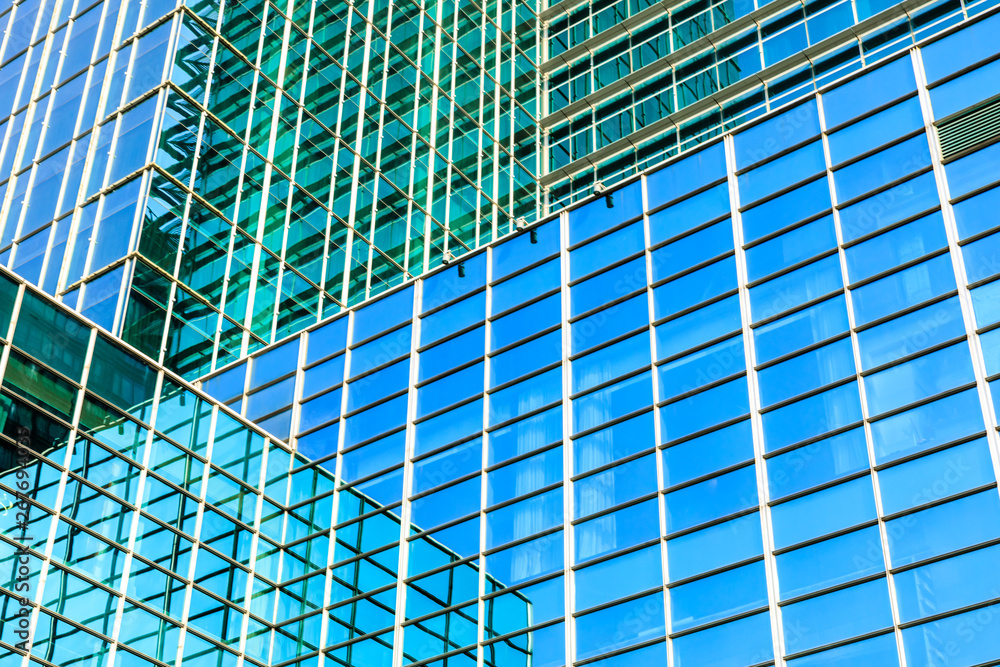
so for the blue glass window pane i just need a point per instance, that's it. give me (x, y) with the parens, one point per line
(712, 499)
(525, 518)
(917, 379)
(826, 511)
(606, 324)
(228, 384)
(829, 563)
(595, 217)
(445, 286)
(949, 584)
(327, 339)
(270, 399)
(980, 84)
(378, 385)
(790, 248)
(526, 396)
(980, 258)
(620, 626)
(694, 413)
(927, 426)
(702, 367)
(454, 318)
(526, 435)
(319, 443)
(837, 616)
(777, 134)
(896, 247)
(692, 249)
(375, 421)
(986, 303)
(781, 173)
(689, 213)
(447, 466)
(449, 389)
(959, 630)
(524, 476)
(521, 323)
(526, 358)
(977, 214)
(618, 530)
(320, 410)
(990, 342)
(961, 49)
(935, 476)
(445, 505)
(944, 528)
(717, 597)
(617, 282)
(872, 90)
(903, 289)
(547, 603)
(911, 333)
(384, 313)
(694, 288)
(448, 427)
(887, 166)
(380, 351)
(973, 171)
(803, 202)
(374, 457)
(525, 286)
(795, 288)
(689, 174)
(649, 656)
(520, 252)
(743, 642)
(714, 547)
(326, 374)
(708, 453)
(615, 442)
(812, 416)
(619, 399)
(805, 327)
(709, 323)
(453, 352)
(274, 363)
(605, 250)
(618, 485)
(632, 573)
(808, 371)
(877, 652)
(876, 130)
(610, 362)
(817, 463)
(897, 203)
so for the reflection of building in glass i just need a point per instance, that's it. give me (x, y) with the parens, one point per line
(733, 410)
(211, 530)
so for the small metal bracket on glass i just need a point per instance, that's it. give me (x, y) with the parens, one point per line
(521, 223)
(609, 198)
(449, 258)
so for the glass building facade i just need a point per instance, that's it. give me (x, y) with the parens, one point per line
(733, 411)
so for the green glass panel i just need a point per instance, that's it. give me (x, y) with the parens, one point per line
(51, 336)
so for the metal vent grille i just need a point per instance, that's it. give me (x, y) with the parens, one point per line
(975, 126)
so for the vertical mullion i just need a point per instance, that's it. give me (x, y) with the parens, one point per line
(569, 551)
(856, 351)
(406, 507)
(756, 421)
(487, 328)
(661, 497)
(958, 265)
